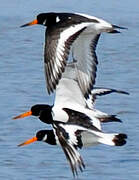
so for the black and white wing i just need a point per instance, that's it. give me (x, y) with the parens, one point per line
(100, 91)
(57, 47)
(70, 149)
(80, 119)
(84, 53)
(79, 128)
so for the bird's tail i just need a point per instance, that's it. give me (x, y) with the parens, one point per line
(113, 139)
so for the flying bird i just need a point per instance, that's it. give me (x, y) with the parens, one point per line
(64, 31)
(70, 136)
(69, 95)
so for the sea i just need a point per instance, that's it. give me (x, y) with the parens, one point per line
(22, 84)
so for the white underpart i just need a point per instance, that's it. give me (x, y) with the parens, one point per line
(69, 95)
(89, 139)
(97, 137)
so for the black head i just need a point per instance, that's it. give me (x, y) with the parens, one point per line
(46, 136)
(43, 111)
(46, 19)
(38, 108)
(43, 135)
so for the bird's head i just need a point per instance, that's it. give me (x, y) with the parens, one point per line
(40, 136)
(46, 136)
(43, 19)
(43, 111)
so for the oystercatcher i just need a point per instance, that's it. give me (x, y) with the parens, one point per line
(66, 30)
(58, 136)
(69, 95)
(75, 118)
(76, 133)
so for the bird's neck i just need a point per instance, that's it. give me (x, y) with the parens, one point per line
(46, 116)
(51, 138)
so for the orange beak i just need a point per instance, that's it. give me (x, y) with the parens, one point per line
(30, 23)
(28, 113)
(28, 141)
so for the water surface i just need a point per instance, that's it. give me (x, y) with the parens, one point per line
(22, 84)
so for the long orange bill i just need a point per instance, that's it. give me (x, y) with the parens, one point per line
(28, 141)
(28, 113)
(30, 23)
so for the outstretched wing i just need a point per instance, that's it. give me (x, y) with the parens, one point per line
(71, 153)
(80, 119)
(57, 47)
(100, 91)
(84, 53)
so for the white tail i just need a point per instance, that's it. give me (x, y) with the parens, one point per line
(113, 139)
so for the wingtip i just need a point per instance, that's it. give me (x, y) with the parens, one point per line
(114, 31)
(110, 118)
(119, 27)
(123, 92)
(115, 119)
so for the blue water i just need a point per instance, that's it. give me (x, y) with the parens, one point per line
(22, 84)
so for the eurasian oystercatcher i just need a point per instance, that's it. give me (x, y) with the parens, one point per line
(59, 137)
(77, 132)
(66, 30)
(69, 95)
